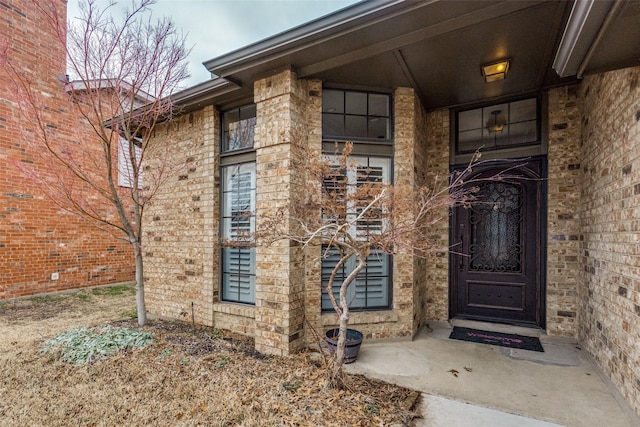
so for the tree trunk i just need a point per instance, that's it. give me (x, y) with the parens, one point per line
(338, 362)
(140, 306)
(337, 378)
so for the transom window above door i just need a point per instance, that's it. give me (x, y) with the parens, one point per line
(354, 115)
(499, 126)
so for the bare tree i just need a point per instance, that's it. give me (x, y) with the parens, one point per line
(353, 219)
(123, 71)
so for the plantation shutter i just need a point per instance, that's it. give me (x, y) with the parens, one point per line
(371, 287)
(371, 173)
(238, 283)
(328, 263)
(372, 284)
(125, 168)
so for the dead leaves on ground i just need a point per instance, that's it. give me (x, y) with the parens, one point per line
(193, 379)
(455, 372)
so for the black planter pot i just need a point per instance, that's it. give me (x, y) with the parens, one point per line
(352, 346)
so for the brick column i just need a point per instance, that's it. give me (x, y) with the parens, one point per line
(280, 101)
(404, 175)
(563, 217)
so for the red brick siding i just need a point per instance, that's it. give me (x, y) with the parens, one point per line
(37, 238)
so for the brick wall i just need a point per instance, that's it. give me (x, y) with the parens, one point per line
(181, 237)
(563, 217)
(37, 238)
(609, 311)
(281, 111)
(437, 169)
(409, 162)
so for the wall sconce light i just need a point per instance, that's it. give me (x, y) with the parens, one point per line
(495, 125)
(495, 71)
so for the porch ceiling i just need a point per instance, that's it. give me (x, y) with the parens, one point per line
(438, 47)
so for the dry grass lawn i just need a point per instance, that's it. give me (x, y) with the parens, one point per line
(184, 378)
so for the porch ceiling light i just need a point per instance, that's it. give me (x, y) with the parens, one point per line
(495, 125)
(495, 71)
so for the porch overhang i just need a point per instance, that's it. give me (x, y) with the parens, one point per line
(438, 47)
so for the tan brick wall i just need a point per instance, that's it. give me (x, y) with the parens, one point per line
(437, 170)
(313, 290)
(181, 234)
(409, 163)
(420, 265)
(563, 216)
(37, 237)
(281, 116)
(609, 313)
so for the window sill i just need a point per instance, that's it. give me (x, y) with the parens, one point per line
(362, 317)
(234, 309)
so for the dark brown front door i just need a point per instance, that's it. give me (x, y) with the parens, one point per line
(496, 261)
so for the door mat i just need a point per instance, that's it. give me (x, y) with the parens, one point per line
(496, 338)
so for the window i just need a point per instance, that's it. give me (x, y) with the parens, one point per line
(356, 115)
(238, 224)
(499, 126)
(238, 128)
(371, 289)
(125, 168)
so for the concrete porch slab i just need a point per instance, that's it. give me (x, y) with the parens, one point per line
(560, 386)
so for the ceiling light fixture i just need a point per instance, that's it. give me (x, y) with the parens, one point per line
(495, 126)
(495, 71)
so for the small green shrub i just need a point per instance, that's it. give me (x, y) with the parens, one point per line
(82, 296)
(291, 386)
(47, 299)
(371, 409)
(214, 334)
(224, 361)
(81, 346)
(114, 291)
(166, 352)
(129, 314)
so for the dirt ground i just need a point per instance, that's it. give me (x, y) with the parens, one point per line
(205, 377)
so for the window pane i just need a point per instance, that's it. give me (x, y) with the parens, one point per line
(498, 126)
(238, 224)
(239, 128)
(378, 105)
(495, 115)
(332, 125)
(369, 290)
(468, 120)
(524, 110)
(248, 112)
(238, 274)
(378, 128)
(333, 101)
(238, 199)
(356, 126)
(353, 114)
(328, 264)
(524, 132)
(493, 140)
(469, 141)
(356, 103)
(371, 287)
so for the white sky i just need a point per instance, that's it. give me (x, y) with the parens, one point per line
(216, 27)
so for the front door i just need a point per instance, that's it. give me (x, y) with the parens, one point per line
(496, 262)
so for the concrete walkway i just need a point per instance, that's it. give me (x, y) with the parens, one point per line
(477, 385)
